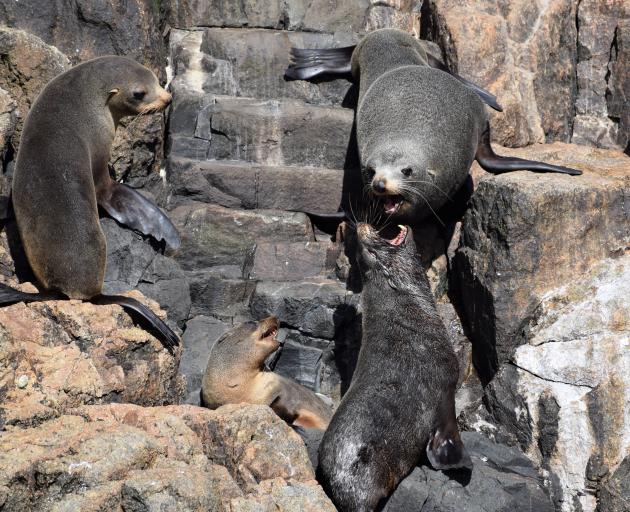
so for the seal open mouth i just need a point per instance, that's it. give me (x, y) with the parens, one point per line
(272, 329)
(392, 203)
(399, 238)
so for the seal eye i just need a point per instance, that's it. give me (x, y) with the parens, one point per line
(407, 171)
(138, 95)
(370, 172)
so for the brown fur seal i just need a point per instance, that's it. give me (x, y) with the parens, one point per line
(235, 375)
(401, 400)
(61, 178)
(418, 127)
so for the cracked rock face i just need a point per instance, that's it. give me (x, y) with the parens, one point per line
(568, 388)
(180, 458)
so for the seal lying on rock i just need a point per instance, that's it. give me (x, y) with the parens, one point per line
(62, 177)
(401, 401)
(235, 374)
(418, 128)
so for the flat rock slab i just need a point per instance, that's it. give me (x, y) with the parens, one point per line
(178, 458)
(213, 235)
(57, 355)
(236, 184)
(527, 233)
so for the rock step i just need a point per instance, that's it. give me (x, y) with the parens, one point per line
(312, 306)
(214, 235)
(251, 62)
(250, 186)
(268, 132)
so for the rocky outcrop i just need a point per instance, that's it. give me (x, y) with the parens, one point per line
(121, 456)
(57, 355)
(525, 234)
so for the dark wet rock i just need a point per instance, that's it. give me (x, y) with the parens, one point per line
(502, 479)
(614, 495)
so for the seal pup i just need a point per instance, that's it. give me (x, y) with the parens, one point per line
(401, 400)
(418, 127)
(235, 374)
(62, 177)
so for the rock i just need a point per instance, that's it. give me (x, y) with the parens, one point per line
(201, 334)
(619, 83)
(502, 479)
(27, 65)
(213, 235)
(160, 458)
(71, 353)
(315, 306)
(527, 233)
(279, 132)
(223, 296)
(252, 63)
(523, 52)
(614, 495)
(132, 262)
(404, 15)
(250, 186)
(600, 26)
(282, 261)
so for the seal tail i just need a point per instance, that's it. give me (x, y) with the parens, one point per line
(445, 450)
(496, 164)
(144, 316)
(309, 63)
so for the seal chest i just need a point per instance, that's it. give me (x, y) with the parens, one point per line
(401, 401)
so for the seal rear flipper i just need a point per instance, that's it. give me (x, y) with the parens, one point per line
(132, 209)
(445, 450)
(497, 164)
(308, 63)
(488, 98)
(143, 315)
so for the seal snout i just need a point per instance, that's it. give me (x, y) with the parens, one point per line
(269, 327)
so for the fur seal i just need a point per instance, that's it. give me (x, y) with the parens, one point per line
(418, 127)
(62, 177)
(401, 400)
(235, 374)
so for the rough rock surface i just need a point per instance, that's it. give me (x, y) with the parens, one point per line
(527, 233)
(567, 390)
(57, 355)
(125, 457)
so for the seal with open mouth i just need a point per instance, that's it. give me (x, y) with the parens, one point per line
(418, 127)
(401, 401)
(235, 374)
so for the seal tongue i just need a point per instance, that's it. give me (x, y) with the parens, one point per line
(400, 237)
(392, 204)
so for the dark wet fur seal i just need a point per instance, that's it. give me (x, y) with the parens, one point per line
(236, 374)
(418, 127)
(401, 401)
(62, 177)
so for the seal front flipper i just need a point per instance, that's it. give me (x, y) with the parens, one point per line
(142, 314)
(488, 98)
(497, 164)
(308, 63)
(445, 450)
(137, 212)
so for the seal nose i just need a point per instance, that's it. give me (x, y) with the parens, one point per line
(378, 185)
(166, 97)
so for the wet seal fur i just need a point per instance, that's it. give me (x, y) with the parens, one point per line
(418, 127)
(235, 374)
(62, 177)
(401, 401)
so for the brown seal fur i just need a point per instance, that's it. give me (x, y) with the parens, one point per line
(62, 177)
(401, 400)
(235, 374)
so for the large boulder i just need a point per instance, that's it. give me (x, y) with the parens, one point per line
(237, 458)
(525, 234)
(57, 355)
